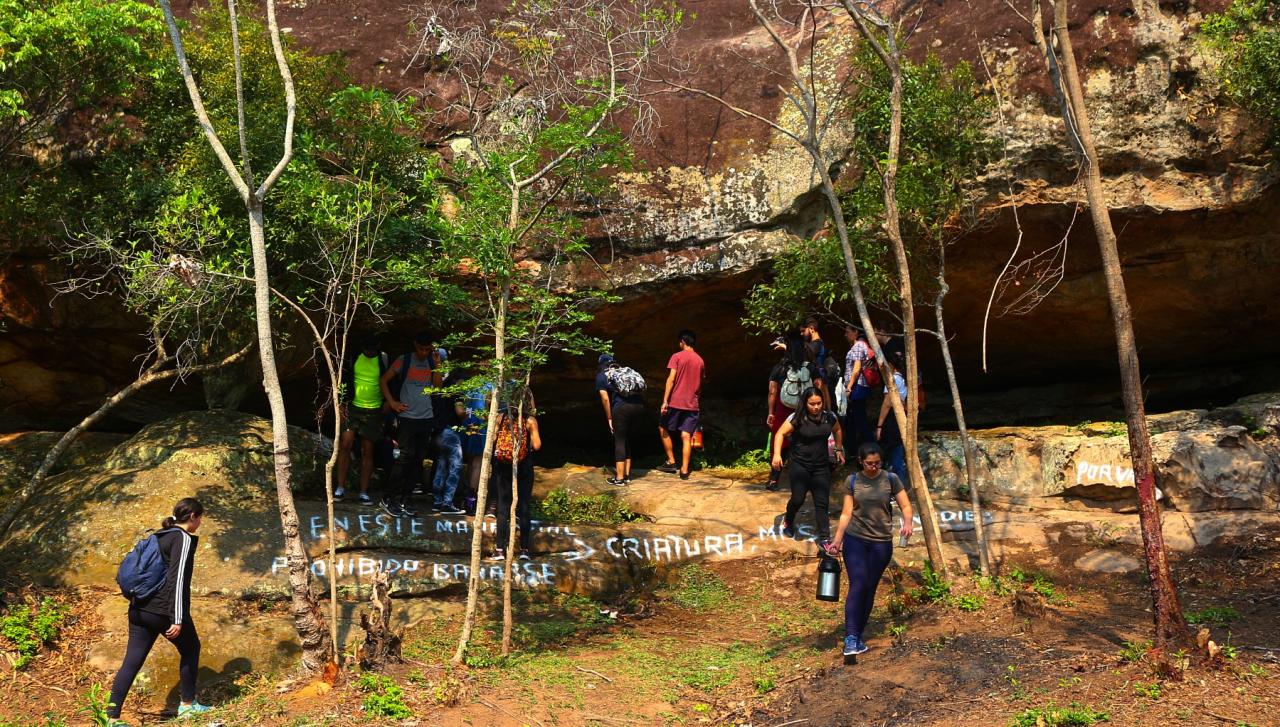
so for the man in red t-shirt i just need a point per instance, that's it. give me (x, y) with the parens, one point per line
(680, 402)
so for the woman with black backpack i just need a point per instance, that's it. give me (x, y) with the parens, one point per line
(166, 612)
(816, 444)
(794, 374)
(621, 392)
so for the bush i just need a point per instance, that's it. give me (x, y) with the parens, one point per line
(1074, 716)
(1247, 35)
(28, 627)
(383, 698)
(562, 507)
(934, 587)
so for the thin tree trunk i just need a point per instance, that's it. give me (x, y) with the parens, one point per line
(970, 456)
(508, 620)
(152, 374)
(893, 230)
(1170, 626)
(486, 466)
(307, 617)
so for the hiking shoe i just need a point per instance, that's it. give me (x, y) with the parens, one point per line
(788, 529)
(616, 482)
(854, 645)
(391, 508)
(365, 499)
(338, 492)
(669, 467)
(524, 555)
(498, 554)
(190, 710)
(451, 510)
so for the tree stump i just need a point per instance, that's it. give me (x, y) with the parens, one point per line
(381, 644)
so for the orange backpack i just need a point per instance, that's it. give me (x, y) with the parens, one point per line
(504, 441)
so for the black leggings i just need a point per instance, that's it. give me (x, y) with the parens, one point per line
(143, 629)
(817, 480)
(501, 482)
(625, 415)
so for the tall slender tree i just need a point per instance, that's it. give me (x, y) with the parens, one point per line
(308, 619)
(1166, 611)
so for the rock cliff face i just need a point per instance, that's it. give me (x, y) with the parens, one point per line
(1189, 179)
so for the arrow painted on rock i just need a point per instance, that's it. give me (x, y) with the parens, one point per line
(583, 551)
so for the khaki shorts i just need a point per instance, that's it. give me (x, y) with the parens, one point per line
(365, 422)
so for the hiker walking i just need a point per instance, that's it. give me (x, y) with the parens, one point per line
(861, 375)
(865, 536)
(361, 415)
(406, 385)
(513, 442)
(680, 407)
(794, 374)
(888, 434)
(621, 392)
(816, 444)
(166, 612)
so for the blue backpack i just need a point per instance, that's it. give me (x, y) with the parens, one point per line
(143, 570)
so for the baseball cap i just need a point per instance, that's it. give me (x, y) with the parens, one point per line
(605, 358)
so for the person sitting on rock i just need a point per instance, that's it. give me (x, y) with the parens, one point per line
(166, 612)
(407, 385)
(812, 430)
(680, 406)
(361, 414)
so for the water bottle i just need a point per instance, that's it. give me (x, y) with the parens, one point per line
(828, 579)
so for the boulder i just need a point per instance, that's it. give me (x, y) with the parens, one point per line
(1201, 465)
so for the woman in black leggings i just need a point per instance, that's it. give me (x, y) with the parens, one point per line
(167, 612)
(809, 427)
(622, 412)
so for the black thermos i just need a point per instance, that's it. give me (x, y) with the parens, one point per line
(828, 579)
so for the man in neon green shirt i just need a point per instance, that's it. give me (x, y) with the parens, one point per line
(362, 415)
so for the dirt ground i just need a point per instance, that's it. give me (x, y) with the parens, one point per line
(745, 643)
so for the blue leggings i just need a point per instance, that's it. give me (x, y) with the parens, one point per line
(864, 561)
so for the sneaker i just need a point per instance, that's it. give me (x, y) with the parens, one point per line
(451, 510)
(850, 645)
(524, 555)
(491, 515)
(408, 509)
(338, 492)
(684, 475)
(498, 554)
(365, 499)
(436, 507)
(669, 467)
(419, 489)
(391, 508)
(112, 722)
(859, 646)
(788, 529)
(773, 486)
(189, 710)
(626, 480)
(616, 482)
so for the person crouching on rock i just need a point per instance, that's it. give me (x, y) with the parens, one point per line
(167, 612)
(865, 534)
(810, 428)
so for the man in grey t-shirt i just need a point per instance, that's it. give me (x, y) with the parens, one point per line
(407, 386)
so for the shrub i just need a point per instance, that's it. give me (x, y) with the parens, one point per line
(1076, 715)
(28, 627)
(383, 697)
(562, 507)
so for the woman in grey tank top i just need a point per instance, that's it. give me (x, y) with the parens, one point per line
(865, 535)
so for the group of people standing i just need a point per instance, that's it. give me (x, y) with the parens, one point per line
(807, 390)
(399, 410)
